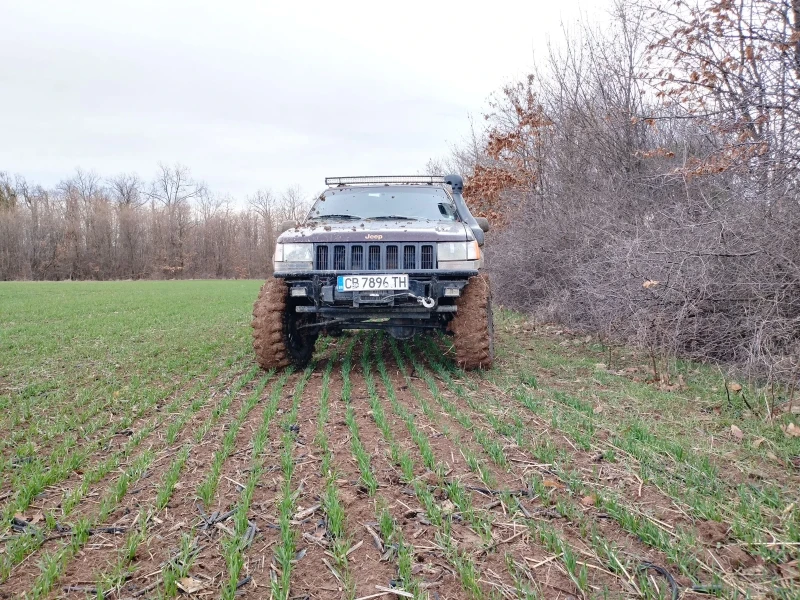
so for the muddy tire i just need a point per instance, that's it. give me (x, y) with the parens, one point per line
(277, 341)
(472, 326)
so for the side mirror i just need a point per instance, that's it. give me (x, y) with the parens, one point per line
(483, 223)
(286, 226)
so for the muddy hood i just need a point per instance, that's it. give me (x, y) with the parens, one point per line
(378, 231)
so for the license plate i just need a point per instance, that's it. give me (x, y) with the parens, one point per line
(360, 283)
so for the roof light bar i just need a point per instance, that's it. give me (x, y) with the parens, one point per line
(373, 179)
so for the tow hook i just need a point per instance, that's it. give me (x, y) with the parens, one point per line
(426, 302)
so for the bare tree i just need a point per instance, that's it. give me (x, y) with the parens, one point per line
(10, 239)
(265, 206)
(126, 192)
(173, 190)
(730, 67)
(294, 205)
(124, 228)
(126, 189)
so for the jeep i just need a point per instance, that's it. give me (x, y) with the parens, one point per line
(401, 254)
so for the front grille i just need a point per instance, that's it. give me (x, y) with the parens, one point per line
(374, 257)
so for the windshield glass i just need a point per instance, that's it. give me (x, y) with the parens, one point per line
(418, 203)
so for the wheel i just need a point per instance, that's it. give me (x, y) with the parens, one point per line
(473, 327)
(278, 339)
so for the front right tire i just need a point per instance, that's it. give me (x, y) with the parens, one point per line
(473, 326)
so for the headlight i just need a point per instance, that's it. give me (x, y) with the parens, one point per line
(294, 257)
(294, 252)
(458, 251)
(459, 265)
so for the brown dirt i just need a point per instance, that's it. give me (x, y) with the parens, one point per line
(51, 498)
(512, 538)
(366, 566)
(524, 547)
(646, 499)
(712, 532)
(312, 576)
(210, 564)
(116, 439)
(472, 325)
(176, 519)
(264, 507)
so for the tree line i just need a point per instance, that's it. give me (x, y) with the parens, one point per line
(644, 182)
(123, 227)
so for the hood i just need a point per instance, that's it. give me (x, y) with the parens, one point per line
(369, 231)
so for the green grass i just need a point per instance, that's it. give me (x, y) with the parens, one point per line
(235, 546)
(72, 353)
(103, 385)
(82, 362)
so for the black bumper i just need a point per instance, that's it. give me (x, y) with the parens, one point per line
(315, 292)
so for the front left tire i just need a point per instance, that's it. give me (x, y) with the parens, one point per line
(278, 338)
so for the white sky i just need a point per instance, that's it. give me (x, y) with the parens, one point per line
(253, 94)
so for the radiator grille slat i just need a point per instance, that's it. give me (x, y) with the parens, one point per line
(409, 257)
(339, 258)
(391, 257)
(357, 258)
(322, 258)
(374, 263)
(427, 257)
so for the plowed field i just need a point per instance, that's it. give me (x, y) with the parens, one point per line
(144, 455)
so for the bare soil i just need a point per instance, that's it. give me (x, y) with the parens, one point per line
(547, 533)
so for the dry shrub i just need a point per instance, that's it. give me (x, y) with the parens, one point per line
(661, 221)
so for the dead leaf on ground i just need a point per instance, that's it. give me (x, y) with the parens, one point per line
(735, 387)
(190, 585)
(791, 430)
(774, 457)
(469, 539)
(650, 283)
(790, 570)
(177, 526)
(736, 432)
(758, 442)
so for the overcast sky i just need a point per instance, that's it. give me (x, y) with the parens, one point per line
(253, 94)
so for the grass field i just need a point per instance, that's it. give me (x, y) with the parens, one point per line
(144, 455)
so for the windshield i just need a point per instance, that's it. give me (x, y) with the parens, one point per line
(387, 202)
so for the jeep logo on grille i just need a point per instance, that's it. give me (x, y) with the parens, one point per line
(370, 236)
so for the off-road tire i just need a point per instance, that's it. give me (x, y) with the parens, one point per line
(472, 326)
(275, 339)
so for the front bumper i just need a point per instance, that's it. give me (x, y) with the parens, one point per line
(315, 292)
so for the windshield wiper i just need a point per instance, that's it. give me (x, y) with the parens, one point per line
(350, 217)
(393, 218)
